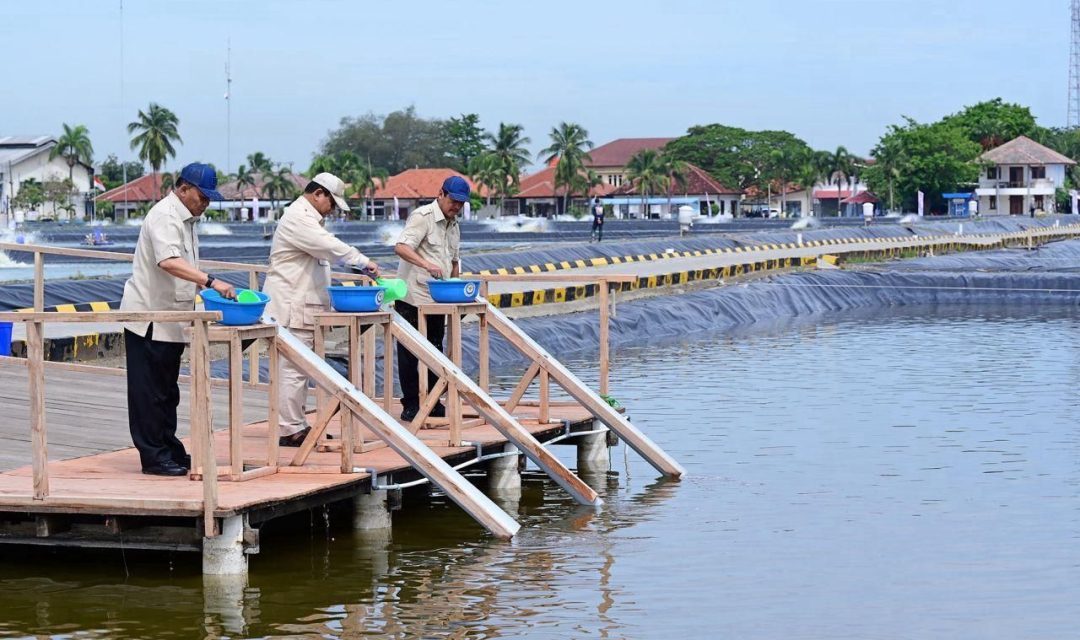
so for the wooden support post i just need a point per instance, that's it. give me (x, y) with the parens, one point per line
(253, 350)
(274, 397)
(202, 423)
(605, 363)
(545, 396)
(522, 387)
(484, 355)
(388, 368)
(39, 281)
(369, 361)
(236, 408)
(321, 397)
(35, 353)
(421, 326)
(453, 399)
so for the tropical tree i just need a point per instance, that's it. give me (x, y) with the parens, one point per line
(813, 169)
(676, 171)
(73, 146)
(485, 170)
(245, 178)
(508, 155)
(648, 172)
(157, 130)
(279, 185)
(259, 163)
(889, 160)
(464, 139)
(365, 180)
(842, 167)
(784, 162)
(168, 181)
(569, 146)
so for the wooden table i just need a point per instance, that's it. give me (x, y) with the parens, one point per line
(428, 400)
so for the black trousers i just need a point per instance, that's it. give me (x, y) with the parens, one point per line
(597, 230)
(153, 395)
(408, 371)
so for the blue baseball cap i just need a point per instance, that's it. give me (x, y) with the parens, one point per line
(457, 188)
(203, 177)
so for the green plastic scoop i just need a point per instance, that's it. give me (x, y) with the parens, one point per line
(247, 295)
(396, 288)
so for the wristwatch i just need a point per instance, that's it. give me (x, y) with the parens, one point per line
(209, 281)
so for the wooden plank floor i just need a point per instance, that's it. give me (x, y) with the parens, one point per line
(92, 468)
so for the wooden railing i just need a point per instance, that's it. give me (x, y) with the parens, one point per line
(201, 422)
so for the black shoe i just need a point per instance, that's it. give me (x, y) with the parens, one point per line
(408, 413)
(184, 461)
(295, 440)
(439, 411)
(167, 468)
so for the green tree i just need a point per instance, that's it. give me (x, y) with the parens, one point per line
(935, 158)
(509, 155)
(365, 180)
(245, 178)
(279, 185)
(31, 195)
(569, 145)
(890, 162)
(808, 174)
(259, 163)
(113, 171)
(994, 122)
(485, 170)
(732, 155)
(649, 174)
(157, 130)
(74, 145)
(464, 139)
(841, 168)
(395, 142)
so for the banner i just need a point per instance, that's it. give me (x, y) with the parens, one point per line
(922, 198)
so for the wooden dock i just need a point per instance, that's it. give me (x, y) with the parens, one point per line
(96, 479)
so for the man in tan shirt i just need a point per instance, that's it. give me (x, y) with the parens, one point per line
(429, 247)
(300, 259)
(164, 277)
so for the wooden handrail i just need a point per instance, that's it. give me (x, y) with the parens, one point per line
(110, 316)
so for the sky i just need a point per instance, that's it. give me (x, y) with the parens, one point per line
(833, 72)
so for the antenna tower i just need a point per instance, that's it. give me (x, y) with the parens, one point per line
(228, 104)
(1074, 67)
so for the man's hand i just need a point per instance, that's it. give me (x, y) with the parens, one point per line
(435, 270)
(372, 269)
(224, 288)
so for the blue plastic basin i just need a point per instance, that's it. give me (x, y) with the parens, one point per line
(5, 338)
(454, 291)
(356, 299)
(235, 313)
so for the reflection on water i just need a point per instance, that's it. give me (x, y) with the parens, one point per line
(913, 475)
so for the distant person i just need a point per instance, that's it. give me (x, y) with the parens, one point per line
(429, 249)
(597, 222)
(165, 277)
(1031, 210)
(300, 259)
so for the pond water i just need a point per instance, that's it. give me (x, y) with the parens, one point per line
(908, 474)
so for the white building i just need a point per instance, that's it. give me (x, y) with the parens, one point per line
(26, 157)
(1023, 175)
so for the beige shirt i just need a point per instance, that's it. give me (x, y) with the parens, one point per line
(168, 231)
(437, 239)
(300, 259)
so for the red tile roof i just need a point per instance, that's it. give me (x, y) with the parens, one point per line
(698, 182)
(420, 184)
(144, 189)
(1024, 150)
(542, 185)
(618, 152)
(830, 194)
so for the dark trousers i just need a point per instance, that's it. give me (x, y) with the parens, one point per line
(598, 231)
(153, 395)
(408, 371)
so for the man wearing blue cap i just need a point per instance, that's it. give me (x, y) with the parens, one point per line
(429, 248)
(165, 277)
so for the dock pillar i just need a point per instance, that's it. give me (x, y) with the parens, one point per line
(370, 511)
(223, 600)
(503, 474)
(592, 450)
(224, 555)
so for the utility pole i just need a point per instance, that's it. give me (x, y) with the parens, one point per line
(228, 106)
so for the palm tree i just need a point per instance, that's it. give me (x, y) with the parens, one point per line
(245, 178)
(168, 181)
(157, 127)
(279, 185)
(807, 175)
(569, 144)
(259, 163)
(648, 173)
(365, 180)
(74, 146)
(842, 167)
(890, 158)
(508, 155)
(784, 163)
(485, 170)
(676, 172)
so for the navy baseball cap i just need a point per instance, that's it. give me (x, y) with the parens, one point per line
(456, 188)
(203, 177)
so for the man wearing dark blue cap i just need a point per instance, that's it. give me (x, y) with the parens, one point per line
(165, 277)
(429, 248)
